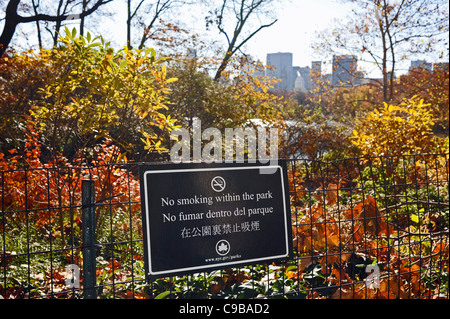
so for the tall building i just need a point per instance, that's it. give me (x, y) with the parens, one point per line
(344, 70)
(443, 66)
(299, 83)
(316, 67)
(421, 64)
(282, 69)
(305, 73)
(316, 73)
(306, 76)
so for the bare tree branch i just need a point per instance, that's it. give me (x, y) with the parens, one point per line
(45, 17)
(12, 19)
(243, 11)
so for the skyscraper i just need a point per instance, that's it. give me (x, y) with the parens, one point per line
(344, 70)
(421, 64)
(282, 69)
(316, 67)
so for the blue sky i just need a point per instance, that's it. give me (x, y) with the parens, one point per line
(294, 31)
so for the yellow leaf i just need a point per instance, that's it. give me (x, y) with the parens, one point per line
(171, 80)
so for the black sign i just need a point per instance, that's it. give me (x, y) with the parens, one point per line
(199, 217)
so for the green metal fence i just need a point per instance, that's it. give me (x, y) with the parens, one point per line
(362, 228)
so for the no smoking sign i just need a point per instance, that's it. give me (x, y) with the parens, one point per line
(198, 217)
(218, 184)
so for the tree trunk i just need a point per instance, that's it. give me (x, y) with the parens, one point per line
(224, 64)
(58, 24)
(82, 17)
(38, 27)
(11, 22)
(12, 19)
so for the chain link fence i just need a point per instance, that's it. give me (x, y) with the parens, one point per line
(362, 228)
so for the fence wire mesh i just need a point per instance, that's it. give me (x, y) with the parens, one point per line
(362, 228)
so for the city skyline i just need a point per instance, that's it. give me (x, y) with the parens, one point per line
(295, 31)
(345, 71)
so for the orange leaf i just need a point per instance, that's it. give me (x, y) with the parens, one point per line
(332, 194)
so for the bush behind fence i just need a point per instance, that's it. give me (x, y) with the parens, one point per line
(362, 228)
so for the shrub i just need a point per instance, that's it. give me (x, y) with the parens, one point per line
(398, 129)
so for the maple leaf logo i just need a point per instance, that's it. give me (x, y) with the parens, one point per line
(222, 247)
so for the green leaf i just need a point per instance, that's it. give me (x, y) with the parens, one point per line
(67, 32)
(163, 295)
(414, 218)
(291, 268)
(123, 64)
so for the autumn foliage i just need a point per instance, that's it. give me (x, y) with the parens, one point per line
(46, 199)
(54, 191)
(398, 129)
(88, 111)
(346, 227)
(433, 88)
(82, 93)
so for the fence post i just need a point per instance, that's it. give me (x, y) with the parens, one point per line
(88, 233)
